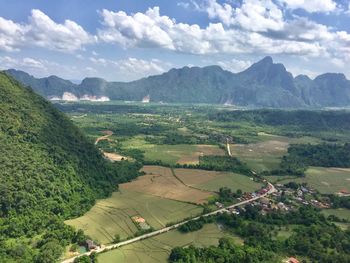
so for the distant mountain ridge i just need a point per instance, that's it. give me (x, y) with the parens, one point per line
(264, 84)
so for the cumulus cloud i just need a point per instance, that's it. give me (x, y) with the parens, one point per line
(311, 5)
(11, 34)
(150, 29)
(23, 63)
(254, 15)
(131, 68)
(42, 31)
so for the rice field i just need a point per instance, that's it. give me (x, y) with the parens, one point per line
(325, 180)
(266, 154)
(213, 181)
(158, 248)
(172, 154)
(341, 213)
(112, 216)
(160, 181)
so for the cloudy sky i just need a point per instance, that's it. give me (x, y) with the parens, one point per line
(128, 39)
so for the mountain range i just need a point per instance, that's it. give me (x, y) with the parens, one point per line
(264, 84)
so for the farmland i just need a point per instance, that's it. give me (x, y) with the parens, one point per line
(112, 216)
(161, 196)
(213, 181)
(171, 154)
(174, 144)
(157, 249)
(341, 213)
(325, 180)
(160, 181)
(266, 154)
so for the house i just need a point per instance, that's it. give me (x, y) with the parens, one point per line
(138, 219)
(90, 244)
(300, 193)
(219, 205)
(292, 260)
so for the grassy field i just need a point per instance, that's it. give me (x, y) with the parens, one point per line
(325, 180)
(160, 181)
(171, 154)
(266, 154)
(213, 181)
(157, 249)
(341, 213)
(112, 216)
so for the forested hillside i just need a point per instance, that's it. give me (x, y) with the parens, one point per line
(49, 171)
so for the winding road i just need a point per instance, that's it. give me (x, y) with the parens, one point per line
(271, 190)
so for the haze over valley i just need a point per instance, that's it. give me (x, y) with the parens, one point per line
(174, 131)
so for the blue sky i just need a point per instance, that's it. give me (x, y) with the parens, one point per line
(126, 40)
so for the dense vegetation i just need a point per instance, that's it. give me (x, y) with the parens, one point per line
(264, 84)
(301, 156)
(219, 163)
(313, 237)
(295, 120)
(49, 171)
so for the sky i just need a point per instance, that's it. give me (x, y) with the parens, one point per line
(124, 40)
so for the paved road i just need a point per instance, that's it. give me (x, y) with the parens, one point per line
(166, 229)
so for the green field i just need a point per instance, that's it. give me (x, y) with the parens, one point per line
(157, 249)
(213, 180)
(112, 216)
(232, 181)
(341, 213)
(325, 180)
(170, 154)
(266, 154)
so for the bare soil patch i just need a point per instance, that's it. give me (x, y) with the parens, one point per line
(114, 157)
(104, 137)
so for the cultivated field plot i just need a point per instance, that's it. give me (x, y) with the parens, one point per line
(172, 154)
(325, 180)
(113, 215)
(201, 150)
(160, 181)
(341, 213)
(157, 249)
(266, 155)
(213, 181)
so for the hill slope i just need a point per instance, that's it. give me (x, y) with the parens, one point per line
(264, 84)
(49, 171)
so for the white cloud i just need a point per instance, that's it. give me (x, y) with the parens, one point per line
(150, 29)
(131, 68)
(147, 29)
(235, 65)
(312, 5)
(338, 62)
(11, 34)
(68, 36)
(25, 63)
(42, 31)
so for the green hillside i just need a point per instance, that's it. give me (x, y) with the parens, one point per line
(264, 84)
(49, 171)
